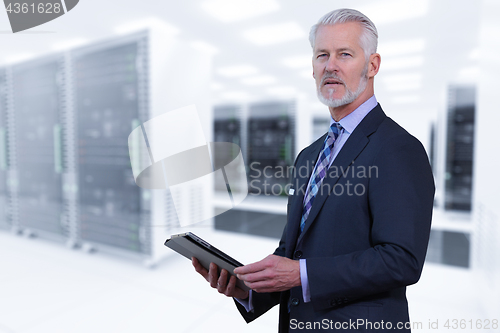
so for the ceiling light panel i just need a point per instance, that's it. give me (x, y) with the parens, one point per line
(402, 62)
(258, 80)
(216, 86)
(474, 54)
(406, 99)
(385, 12)
(274, 34)
(402, 47)
(204, 47)
(301, 61)
(236, 10)
(237, 71)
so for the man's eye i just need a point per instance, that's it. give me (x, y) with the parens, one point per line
(322, 55)
(344, 54)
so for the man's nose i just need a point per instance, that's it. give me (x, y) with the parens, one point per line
(332, 65)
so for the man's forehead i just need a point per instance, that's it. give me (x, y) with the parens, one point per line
(340, 35)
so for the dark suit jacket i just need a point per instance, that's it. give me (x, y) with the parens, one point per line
(366, 236)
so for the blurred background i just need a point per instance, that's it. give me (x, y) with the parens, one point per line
(82, 245)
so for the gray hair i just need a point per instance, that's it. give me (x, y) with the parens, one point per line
(369, 37)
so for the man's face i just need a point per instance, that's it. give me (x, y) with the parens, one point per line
(339, 64)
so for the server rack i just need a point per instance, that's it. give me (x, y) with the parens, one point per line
(460, 148)
(265, 132)
(37, 160)
(107, 97)
(227, 128)
(119, 84)
(271, 146)
(65, 170)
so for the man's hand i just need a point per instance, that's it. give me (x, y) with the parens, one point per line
(273, 273)
(220, 282)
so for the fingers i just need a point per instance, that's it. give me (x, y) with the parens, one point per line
(256, 277)
(251, 268)
(261, 286)
(258, 271)
(277, 274)
(233, 291)
(199, 268)
(231, 286)
(228, 288)
(213, 275)
(222, 282)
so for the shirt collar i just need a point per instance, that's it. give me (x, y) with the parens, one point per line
(352, 120)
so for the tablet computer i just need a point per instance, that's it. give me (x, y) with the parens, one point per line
(189, 245)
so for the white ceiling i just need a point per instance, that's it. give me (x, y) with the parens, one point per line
(424, 45)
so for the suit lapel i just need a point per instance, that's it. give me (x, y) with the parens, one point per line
(303, 173)
(352, 148)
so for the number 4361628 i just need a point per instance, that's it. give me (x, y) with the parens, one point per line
(478, 324)
(47, 8)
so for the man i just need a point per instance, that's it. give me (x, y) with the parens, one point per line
(358, 223)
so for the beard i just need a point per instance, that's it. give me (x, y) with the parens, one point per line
(349, 96)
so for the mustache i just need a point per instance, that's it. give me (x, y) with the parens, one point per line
(331, 76)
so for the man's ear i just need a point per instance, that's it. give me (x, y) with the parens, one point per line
(373, 65)
(314, 76)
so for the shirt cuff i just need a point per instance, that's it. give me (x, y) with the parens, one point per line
(306, 294)
(246, 303)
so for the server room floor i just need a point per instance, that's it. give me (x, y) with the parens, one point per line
(46, 287)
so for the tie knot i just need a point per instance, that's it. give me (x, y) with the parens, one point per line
(335, 130)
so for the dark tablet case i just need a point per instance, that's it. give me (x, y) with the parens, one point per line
(190, 245)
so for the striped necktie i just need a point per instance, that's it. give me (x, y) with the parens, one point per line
(319, 172)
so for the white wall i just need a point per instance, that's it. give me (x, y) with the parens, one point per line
(486, 195)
